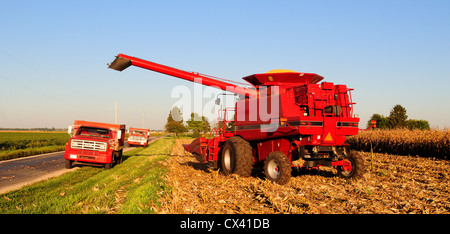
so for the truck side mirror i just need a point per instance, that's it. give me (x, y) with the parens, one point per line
(119, 134)
(217, 101)
(70, 129)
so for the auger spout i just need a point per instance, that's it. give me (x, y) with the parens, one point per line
(124, 61)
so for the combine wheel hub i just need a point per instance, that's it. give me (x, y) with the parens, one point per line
(273, 170)
(227, 160)
(277, 168)
(351, 166)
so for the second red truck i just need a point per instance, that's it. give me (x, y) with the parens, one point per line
(138, 137)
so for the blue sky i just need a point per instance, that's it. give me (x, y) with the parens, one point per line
(53, 54)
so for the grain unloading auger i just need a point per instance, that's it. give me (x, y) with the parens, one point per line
(285, 119)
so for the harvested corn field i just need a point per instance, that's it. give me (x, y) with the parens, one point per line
(392, 184)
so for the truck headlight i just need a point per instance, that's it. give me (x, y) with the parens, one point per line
(103, 147)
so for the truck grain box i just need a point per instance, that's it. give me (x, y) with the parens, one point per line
(95, 143)
(138, 136)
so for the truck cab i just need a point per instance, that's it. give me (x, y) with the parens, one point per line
(94, 143)
(138, 137)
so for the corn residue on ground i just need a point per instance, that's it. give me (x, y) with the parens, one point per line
(392, 184)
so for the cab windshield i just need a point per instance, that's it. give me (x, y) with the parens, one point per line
(135, 132)
(93, 132)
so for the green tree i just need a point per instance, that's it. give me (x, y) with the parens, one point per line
(195, 124)
(175, 115)
(418, 124)
(175, 122)
(397, 117)
(206, 125)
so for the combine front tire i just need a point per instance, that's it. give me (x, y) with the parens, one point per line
(277, 168)
(354, 167)
(237, 157)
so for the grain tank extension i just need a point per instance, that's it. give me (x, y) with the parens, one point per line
(306, 128)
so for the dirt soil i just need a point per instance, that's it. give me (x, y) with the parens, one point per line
(392, 184)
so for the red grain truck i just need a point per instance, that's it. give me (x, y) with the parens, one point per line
(138, 136)
(95, 143)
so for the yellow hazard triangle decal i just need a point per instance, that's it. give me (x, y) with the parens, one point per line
(328, 138)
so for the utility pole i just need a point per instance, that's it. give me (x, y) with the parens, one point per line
(115, 112)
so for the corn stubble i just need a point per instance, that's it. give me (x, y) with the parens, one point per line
(407, 184)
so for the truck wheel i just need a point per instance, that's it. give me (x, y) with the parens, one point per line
(277, 168)
(237, 157)
(68, 164)
(355, 168)
(119, 157)
(109, 165)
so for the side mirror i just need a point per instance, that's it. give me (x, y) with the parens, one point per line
(69, 129)
(119, 134)
(217, 101)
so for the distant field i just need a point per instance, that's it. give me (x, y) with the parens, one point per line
(157, 134)
(15, 144)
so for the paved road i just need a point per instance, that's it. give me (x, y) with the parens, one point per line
(22, 171)
(17, 173)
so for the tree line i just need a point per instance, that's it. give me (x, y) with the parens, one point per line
(398, 119)
(198, 124)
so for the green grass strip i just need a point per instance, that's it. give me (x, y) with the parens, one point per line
(11, 154)
(131, 187)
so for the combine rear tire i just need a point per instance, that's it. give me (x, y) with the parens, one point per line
(277, 168)
(356, 170)
(237, 157)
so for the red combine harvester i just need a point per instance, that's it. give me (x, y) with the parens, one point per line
(95, 143)
(138, 136)
(308, 129)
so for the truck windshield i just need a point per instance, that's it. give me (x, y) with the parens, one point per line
(134, 132)
(94, 132)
